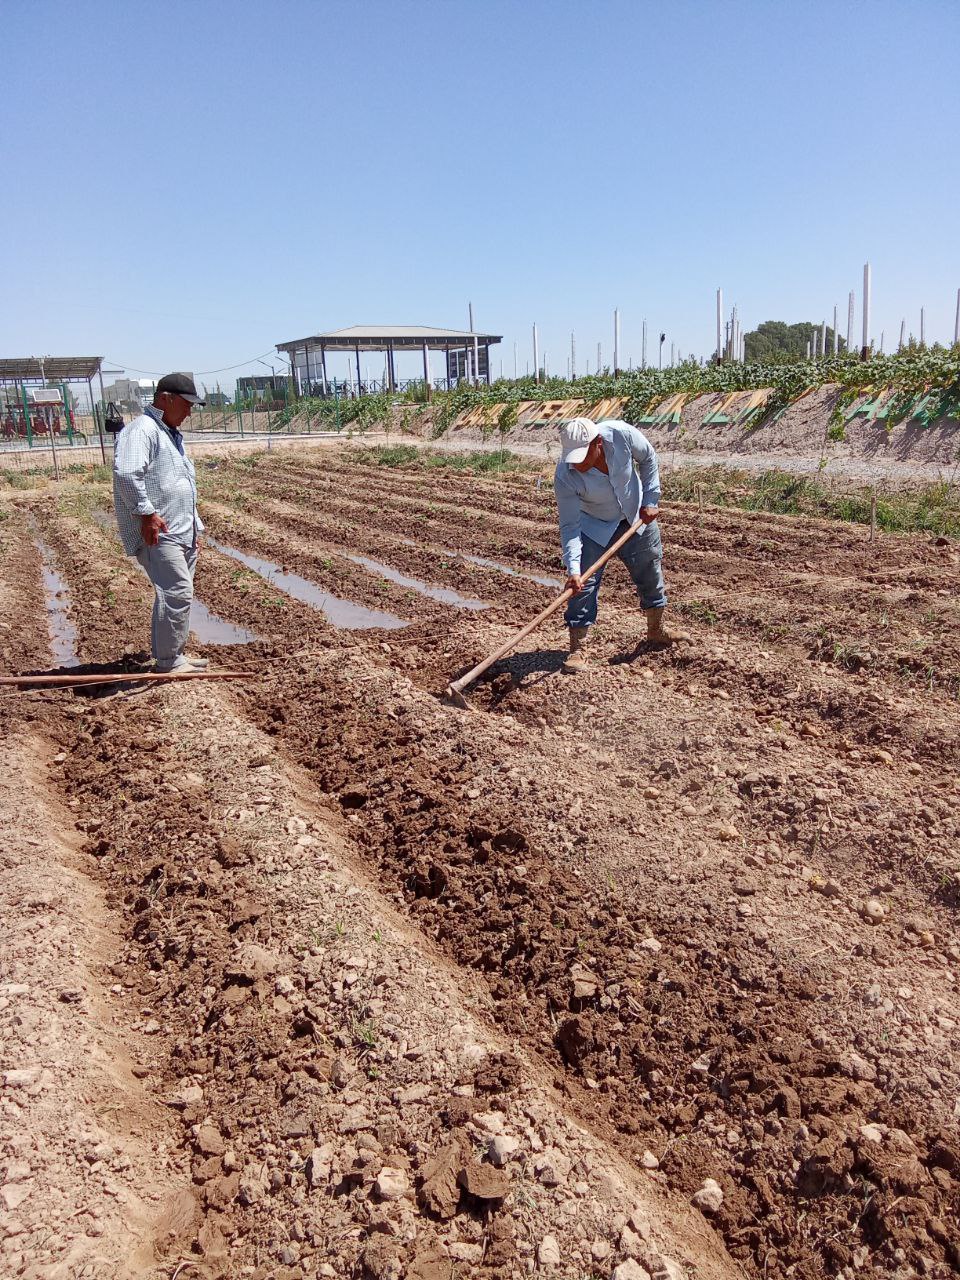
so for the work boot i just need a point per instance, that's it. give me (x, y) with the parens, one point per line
(178, 665)
(657, 635)
(576, 662)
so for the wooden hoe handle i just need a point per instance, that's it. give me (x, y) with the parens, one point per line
(458, 686)
(126, 677)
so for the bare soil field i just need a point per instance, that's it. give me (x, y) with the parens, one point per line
(647, 973)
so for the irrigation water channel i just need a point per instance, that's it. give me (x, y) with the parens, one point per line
(56, 600)
(443, 594)
(346, 614)
(541, 579)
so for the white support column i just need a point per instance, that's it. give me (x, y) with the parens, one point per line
(573, 357)
(903, 334)
(476, 362)
(823, 341)
(865, 345)
(836, 336)
(516, 366)
(719, 324)
(850, 303)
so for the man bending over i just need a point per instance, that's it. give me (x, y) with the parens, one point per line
(605, 481)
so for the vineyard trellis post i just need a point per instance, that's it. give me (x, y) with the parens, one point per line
(536, 356)
(103, 407)
(836, 336)
(573, 357)
(823, 341)
(865, 346)
(719, 325)
(850, 302)
(903, 334)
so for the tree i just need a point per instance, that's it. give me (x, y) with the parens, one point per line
(777, 340)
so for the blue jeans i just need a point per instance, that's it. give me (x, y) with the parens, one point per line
(643, 556)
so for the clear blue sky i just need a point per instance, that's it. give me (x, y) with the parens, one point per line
(187, 184)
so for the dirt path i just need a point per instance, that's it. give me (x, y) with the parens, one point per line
(91, 1184)
(665, 958)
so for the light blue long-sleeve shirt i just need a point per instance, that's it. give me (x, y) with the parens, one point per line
(592, 503)
(150, 475)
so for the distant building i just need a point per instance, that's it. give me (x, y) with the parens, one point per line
(466, 357)
(265, 388)
(125, 393)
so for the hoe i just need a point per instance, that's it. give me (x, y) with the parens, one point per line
(124, 677)
(454, 695)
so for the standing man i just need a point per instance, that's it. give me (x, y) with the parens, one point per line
(605, 481)
(155, 497)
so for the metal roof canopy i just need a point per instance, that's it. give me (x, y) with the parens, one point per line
(381, 337)
(50, 368)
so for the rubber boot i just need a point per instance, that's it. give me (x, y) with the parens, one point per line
(577, 659)
(657, 635)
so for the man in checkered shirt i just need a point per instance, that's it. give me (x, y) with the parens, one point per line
(155, 498)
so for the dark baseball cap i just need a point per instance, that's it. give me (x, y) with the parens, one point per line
(180, 384)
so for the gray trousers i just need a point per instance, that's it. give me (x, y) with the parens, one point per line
(170, 567)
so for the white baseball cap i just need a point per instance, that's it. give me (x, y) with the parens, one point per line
(575, 439)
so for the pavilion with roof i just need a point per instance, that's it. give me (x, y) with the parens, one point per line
(466, 354)
(28, 409)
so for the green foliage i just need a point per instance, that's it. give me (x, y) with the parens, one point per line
(411, 458)
(18, 479)
(774, 339)
(416, 393)
(909, 372)
(933, 509)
